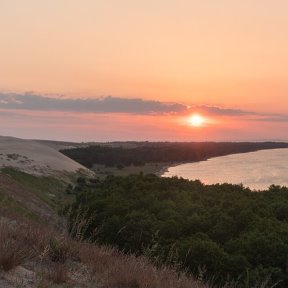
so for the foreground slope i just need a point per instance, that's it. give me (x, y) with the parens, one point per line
(221, 233)
(56, 260)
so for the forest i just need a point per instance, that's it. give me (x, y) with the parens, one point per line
(163, 152)
(219, 233)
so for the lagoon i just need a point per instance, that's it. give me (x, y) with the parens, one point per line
(256, 170)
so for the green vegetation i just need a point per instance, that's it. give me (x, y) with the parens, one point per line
(49, 189)
(103, 171)
(36, 255)
(143, 153)
(12, 205)
(223, 233)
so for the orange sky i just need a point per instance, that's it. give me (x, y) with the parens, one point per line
(225, 53)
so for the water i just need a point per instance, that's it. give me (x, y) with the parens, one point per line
(256, 170)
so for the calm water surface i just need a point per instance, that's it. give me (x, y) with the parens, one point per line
(257, 170)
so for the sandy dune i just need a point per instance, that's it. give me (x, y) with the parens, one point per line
(35, 158)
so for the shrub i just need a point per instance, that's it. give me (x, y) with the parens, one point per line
(18, 242)
(58, 249)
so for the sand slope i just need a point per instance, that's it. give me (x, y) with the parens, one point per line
(35, 158)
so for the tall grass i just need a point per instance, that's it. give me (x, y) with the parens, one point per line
(25, 241)
(57, 259)
(18, 242)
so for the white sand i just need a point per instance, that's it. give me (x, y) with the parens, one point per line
(34, 158)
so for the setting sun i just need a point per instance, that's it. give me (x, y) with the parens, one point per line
(196, 120)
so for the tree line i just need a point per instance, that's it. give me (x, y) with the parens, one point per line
(162, 152)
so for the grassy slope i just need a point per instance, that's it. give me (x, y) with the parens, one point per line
(119, 269)
(48, 189)
(56, 260)
(12, 205)
(32, 196)
(59, 261)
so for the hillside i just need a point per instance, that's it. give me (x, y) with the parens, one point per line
(222, 233)
(35, 247)
(154, 235)
(36, 256)
(19, 198)
(35, 158)
(33, 178)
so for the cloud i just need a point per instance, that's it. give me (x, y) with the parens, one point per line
(271, 118)
(111, 119)
(214, 110)
(33, 102)
(109, 104)
(97, 105)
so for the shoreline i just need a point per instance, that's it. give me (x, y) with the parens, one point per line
(156, 168)
(165, 167)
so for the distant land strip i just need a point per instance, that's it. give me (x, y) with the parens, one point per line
(124, 154)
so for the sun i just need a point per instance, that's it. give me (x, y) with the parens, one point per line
(196, 120)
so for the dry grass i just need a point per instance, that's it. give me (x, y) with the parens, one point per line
(58, 249)
(12, 252)
(58, 274)
(116, 269)
(18, 242)
(57, 259)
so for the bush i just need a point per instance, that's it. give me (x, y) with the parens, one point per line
(226, 230)
(58, 249)
(18, 242)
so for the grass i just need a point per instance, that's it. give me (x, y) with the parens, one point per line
(59, 260)
(56, 260)
(11, 204)
(49, 189)
(28, 244)
(119, 270)
(18, 243)
(58, 274)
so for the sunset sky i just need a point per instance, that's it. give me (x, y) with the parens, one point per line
(175, 70)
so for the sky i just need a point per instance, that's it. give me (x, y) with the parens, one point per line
(91, 70)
